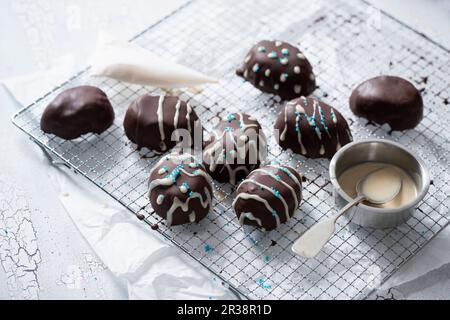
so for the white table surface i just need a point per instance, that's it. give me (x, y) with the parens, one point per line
(47, 257)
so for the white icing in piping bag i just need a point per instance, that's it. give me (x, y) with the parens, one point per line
(125, 61)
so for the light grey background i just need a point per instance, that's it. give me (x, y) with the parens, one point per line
(43, 255)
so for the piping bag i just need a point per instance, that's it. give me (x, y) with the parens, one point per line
(125, 61)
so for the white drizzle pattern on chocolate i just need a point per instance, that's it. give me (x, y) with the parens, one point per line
(216, 147)
(160, 114)
(246, 196)
(171, 179)
(273, 175)
(300, 112)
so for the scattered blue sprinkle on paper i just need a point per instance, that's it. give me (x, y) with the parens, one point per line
(208, 248)
(263, 284)
(266, 258)
(253, 240)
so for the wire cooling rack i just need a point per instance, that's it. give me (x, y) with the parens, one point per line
(346, 43)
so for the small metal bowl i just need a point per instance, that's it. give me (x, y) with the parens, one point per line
(378, 150)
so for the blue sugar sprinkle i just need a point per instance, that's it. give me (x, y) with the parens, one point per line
(273, 55)
(261, 49)
(231, 117)
(277, 177)
(266, 258)
(253, 240)
(229, 129)
(263, 284)
(277, 193)
(274, 213)
(186, 185)
(208, 248)
(285, 51)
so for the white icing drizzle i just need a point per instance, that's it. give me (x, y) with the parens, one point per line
(255, 197)
(333, 116)
(177, 203)
(245, 73)
(312, 121)
(160, 199)
(247, 59)
(300, 110)
(292, 176)
(160, 114)
(272, 175)
(297, 69)
(322, 150)
(263, 186)
(283, 133)
(338, 145)
(249, 216)
(177, 113)
(188, 116)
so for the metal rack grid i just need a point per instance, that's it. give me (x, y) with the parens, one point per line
(346, 43)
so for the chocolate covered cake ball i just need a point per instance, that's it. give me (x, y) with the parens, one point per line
(180, 190)
(268, 197)
(152, 121)
(237, 146)
(77, 111)
(280, 68)
(311, 128)
(390, 100)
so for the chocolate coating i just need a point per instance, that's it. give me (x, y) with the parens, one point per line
(280, 68)
(238, 146)
(150, 121)
(180, 190)
(77, 111)
(390, 100)
(268, 197)
(311, 128)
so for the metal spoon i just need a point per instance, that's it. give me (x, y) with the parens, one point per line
(313, 240)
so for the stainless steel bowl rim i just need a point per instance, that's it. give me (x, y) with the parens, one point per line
(425, 176)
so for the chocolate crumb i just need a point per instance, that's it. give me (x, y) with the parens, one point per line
(140, 216)
(154, 226)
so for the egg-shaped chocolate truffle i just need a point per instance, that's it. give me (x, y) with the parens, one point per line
(311, 128)
(77, 111)
(237, 146)
(388, 99)
(156, 122)
(280, 68)
(268, 197)
(180, 190)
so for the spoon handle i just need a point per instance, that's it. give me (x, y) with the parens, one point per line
(314, 239)
(349, 205)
